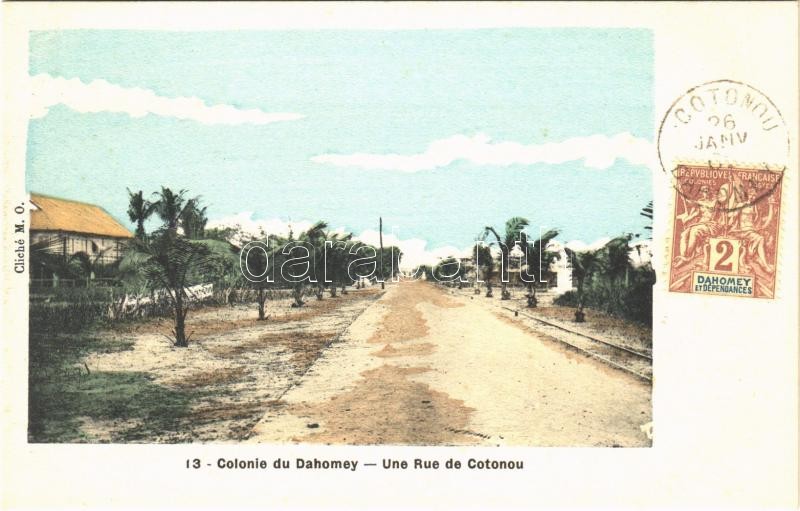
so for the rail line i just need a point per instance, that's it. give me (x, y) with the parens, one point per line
(619, 357)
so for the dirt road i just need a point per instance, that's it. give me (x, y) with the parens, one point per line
(423, 368)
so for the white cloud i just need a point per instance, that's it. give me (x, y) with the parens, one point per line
(415, 251)
(255, 228)
(597, 152)
(580, 246)
(102, 96)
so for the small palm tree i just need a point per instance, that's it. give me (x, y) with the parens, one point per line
(538, 260)
(331, 262)
(484, 266)
(311, 239)
(584, 266)
(169, 263)
(261, 264)
(449, 270)
(89, 265)
(514, 227)
(139, 210)
(350, 253)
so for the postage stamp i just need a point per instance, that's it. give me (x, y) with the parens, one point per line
(726, 215)
(726, 238)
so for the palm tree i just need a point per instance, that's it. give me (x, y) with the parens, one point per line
(584, 265)
(89, 264)
(171, 206)
(194, 220)
(617, 258)
(139, 210)
(310, 239)
(647, 212)
(341, 274)
(351, 252)
(169, 263)
(331, 262)
(538, 260)
(484, 263)
(261, 263)
(514, 227)
(449, 270)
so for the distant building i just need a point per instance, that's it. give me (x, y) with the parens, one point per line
(561, 268)
(66, 227)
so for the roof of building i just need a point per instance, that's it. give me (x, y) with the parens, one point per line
(55, 214)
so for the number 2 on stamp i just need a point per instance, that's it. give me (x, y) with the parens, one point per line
(724, 255)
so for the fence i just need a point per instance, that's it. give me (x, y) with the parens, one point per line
(70, 309)
(41, 285)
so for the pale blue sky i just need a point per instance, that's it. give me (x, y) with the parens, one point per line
(360, 92)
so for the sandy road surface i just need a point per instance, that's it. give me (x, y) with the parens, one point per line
(420, 367)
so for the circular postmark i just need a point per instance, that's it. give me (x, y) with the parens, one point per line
(729, 130)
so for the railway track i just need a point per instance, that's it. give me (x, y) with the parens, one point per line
(620, 357)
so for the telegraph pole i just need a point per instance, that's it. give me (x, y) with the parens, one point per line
(380, 236)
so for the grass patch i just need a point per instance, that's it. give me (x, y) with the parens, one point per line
(63, 394)
(57, 409)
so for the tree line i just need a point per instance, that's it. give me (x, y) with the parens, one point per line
(604, 278)
(181, 252)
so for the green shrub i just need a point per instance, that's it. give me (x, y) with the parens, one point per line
(568, 299)
(633, 302)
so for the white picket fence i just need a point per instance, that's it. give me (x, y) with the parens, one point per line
(130, 303)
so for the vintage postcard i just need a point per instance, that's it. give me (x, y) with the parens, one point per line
(397, 245)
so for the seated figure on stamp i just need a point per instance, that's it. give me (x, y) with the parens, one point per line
(701, 222)
(747, 226)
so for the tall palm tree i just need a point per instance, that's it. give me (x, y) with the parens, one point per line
(139, 210)
(194, 220)
(513, 230)
(647, 212)
(171, 206)
(616, 258)
(538, 260)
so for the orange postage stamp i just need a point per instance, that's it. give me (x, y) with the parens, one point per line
(725, 224)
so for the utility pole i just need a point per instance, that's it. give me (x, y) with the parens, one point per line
(380, 236)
